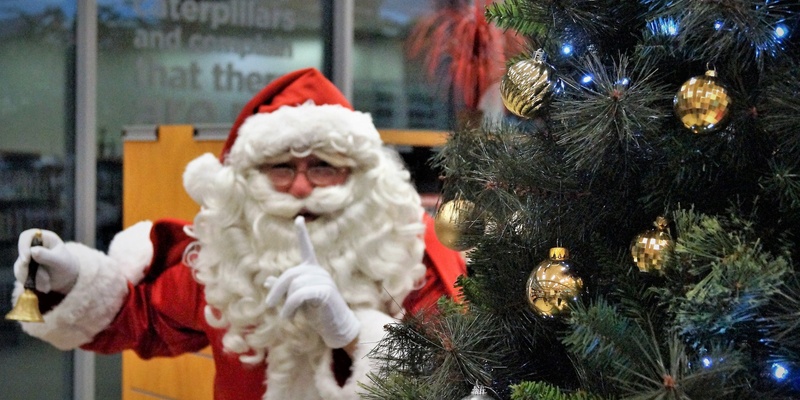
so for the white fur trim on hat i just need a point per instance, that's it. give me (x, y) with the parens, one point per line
(199, 175)
(332, 128)
(89, 307)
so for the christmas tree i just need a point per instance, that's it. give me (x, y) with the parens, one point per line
(630, 228)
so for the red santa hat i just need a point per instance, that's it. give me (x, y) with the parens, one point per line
(299, 111)
(292, 89)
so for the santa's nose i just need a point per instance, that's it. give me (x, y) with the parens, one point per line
(301, 187)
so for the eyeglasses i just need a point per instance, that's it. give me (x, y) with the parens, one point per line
(282, 175)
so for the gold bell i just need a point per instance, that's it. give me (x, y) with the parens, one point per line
(27, 307)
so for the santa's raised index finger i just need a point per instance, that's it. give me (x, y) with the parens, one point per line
(306, 248)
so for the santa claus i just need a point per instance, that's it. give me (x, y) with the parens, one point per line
(310, 239)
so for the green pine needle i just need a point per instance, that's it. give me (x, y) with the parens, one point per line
(545, 391)
(722, 277)
(441, 352)
(626, 107)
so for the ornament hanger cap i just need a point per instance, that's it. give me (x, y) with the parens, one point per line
(478, 389)
(710, 70)
(559, 253)
(661, 223)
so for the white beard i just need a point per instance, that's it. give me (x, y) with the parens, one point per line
(368, 236)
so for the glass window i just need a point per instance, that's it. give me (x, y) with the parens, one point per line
(387, 82)
(196, 61)
(189, 62)
(36, 149)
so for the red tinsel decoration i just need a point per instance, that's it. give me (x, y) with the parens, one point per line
(458, 36)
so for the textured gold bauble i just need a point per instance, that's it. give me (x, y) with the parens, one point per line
(553, 285)
(527, 86)
(702, 103)
(650, 247)
(451, 221)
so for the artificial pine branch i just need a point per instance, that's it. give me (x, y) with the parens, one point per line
(620, 281)
(521, 16)
(490, 165)
(783, 321)
(612, 120)
(778, 107)
(545, 391)
(712, 30)
(725, 277)
(439, 351)
(603, 341)
(783, 184)
(394, 387)
(629, 360)
(678, 376)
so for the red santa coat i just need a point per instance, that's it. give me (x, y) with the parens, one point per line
(163, 314)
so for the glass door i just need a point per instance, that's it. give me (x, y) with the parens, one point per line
(36, 180)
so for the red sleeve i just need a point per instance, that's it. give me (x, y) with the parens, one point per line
(163, 314)
(444, 266)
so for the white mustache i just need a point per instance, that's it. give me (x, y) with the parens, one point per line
(323, 200)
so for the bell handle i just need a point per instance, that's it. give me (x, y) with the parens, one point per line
(33, 266)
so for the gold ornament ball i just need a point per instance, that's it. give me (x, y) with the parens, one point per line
(451, 222)
(553, 285)
(527, 86)
(650, 247)
(702, 104)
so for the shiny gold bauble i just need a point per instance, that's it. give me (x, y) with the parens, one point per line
(527, 86)
(650, 247)
(452, 221)
(702, 103)
(553, 285)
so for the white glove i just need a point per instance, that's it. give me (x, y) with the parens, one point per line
(310, 287)
(58, 268)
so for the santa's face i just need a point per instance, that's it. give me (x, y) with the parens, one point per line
(318, 185)
(299, 176)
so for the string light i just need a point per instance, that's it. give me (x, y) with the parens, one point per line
(672, 28)
(781, 31)
(663, 26)
(779, 371)
(718, 25)
(707, 362)
(566, 49)
(587, 79)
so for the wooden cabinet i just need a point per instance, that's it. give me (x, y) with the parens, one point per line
(154, 161)
(152, 188)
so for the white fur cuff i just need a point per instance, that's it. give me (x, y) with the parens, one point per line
(90, 306)
(132, 250)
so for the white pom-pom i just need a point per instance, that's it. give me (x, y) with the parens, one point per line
(199, 174)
